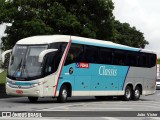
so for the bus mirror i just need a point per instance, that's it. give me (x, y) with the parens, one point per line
(4, 55)
(44, 52)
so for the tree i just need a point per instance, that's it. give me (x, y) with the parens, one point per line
(87, 18)
(158, 61)
(127, 35)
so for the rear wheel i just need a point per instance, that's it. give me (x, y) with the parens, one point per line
(63, 94)
(128, 94)
(33, 99)
(136, 93)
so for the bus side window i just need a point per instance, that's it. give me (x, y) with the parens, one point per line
(119, 58)
(49, 64)
(90, 54)
(74, 54)
(142, 61)
(105, 56)
(52, 61)
(132, 59)
(152, 60)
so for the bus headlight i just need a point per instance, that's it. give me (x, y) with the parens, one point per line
(37, 91)
(36, 84)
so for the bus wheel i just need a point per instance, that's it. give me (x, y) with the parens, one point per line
(128, 94)
(63, 94)
(136, 93)
(33, 99)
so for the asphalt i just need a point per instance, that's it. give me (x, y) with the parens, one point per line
(86, 108)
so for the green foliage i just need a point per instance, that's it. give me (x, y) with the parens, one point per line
(3, 76)
(86, 18)
(126, 35)
(158, 60)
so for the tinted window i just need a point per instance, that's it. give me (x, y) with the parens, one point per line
(143, 60)
(119, 57)
(152, 60)
(102, 55)
(58, 45)
(75, 54)
(52, 59)
(132, 59)
(105, 56)
(90, 54)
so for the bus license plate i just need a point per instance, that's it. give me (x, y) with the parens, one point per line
(19, 91)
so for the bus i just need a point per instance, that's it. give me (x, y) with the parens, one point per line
(63, 66)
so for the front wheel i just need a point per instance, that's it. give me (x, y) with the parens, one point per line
(136, 93)
(63, 94)
(33, 99)
(128, 94)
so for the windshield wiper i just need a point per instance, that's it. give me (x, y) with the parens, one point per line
(18, 68)
(24, 69)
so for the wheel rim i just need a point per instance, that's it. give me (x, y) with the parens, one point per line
(64, 94)
(137, 93)
(128, 93)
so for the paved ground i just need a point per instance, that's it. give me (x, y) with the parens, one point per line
(86, 104)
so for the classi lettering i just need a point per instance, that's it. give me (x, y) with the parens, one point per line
(108, 72)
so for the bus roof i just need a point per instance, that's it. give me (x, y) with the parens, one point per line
(47, 39)
(43, 39)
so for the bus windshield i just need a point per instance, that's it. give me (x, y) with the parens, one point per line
(24, 61)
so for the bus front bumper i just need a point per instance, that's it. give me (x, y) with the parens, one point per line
(33, 91)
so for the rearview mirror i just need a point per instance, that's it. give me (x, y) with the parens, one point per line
(4, 54)
(44, 52)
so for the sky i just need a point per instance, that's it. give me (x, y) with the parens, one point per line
(144, 15)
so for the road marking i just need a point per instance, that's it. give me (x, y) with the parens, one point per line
(155, 118)
(129, 106)
(95, 108)
(63, 106)
(149, 104)
(86, 109)
(157, 107)
(110, 118)
(156, 104)
(145, 103)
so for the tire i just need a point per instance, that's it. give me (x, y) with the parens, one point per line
(128, 94)
(63, 94)
(33, 99)
(136, 93)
